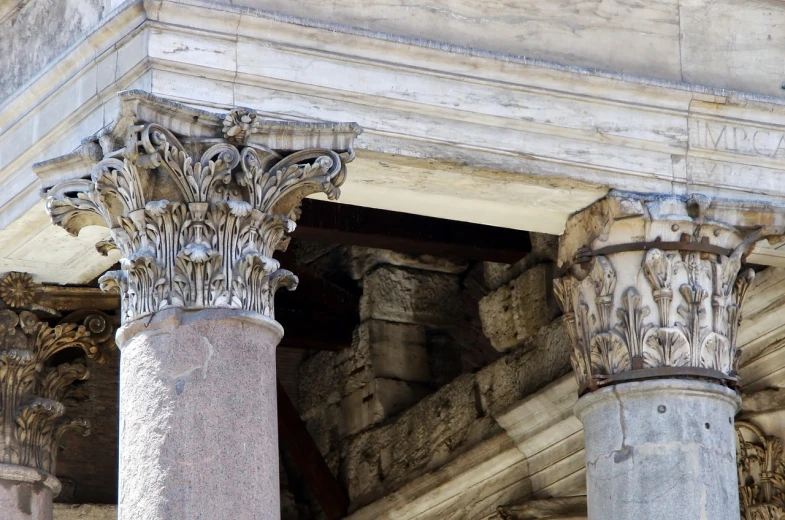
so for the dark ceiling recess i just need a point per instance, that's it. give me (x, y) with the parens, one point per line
(319, 315)
(405, 233)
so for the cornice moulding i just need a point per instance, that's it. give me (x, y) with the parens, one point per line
(554, 137)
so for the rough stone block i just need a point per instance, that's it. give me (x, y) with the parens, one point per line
(363, 259)
(525, 370)
(514, 312)
(379, 400)
(318, 382)
(85, 512)
(379, 349)
(307, 252)
(544, 249)
(411, 296)
(324, 426)
(395, 350)
(452, 420)
(424, 437)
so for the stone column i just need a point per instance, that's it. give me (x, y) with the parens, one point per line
(197, 203)
(652, 289)
(34, 384)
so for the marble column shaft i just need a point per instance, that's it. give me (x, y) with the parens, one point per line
(652, 292)
(26, 493)
(197, 203)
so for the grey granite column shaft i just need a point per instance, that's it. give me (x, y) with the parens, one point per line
(198, 422)
(26, 493)
(661, 450)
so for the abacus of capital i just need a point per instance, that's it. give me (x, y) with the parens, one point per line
(652, 289)
(197, 203)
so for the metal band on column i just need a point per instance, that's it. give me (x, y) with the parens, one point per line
(652, 289)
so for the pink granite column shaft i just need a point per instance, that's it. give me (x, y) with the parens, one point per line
(198, 418)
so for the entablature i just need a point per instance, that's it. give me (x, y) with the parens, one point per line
(449, 132)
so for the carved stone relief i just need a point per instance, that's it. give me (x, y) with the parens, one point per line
(41, 355)
(197, 218)
(657, 287)
(761, 473)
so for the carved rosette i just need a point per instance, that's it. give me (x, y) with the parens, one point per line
(34, 383)
(197, 219)
(653, 287)
(759, 458)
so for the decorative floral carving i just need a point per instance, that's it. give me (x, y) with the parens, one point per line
(631, 324)
(17, 289)
(196, 222)
(759, 458)
(637, 306)
(609, 354)
(238, 123)
(658, 268)
(666, 347)
(604, 279)
(33, 386)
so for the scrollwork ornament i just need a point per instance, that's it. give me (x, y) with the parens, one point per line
(759, 458)
(34, 386)
(197, 221)
(676, 307)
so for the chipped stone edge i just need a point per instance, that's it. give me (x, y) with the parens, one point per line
(30, 475)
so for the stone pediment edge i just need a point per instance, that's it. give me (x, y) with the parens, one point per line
(133, 15)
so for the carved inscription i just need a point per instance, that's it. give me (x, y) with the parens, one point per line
(739, 139)
(721, 173)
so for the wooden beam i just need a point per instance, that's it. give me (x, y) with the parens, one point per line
(298, 442)
(406, 233)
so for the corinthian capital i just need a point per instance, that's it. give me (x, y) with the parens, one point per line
(652, 286)
(33, 383)
(196, 202)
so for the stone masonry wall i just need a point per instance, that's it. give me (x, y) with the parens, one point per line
(379, 411)
(406, 302)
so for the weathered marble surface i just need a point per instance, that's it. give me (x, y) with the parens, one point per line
(661, 449)
(727, 44)
(24, 500)
(523, 144)
(34, 33)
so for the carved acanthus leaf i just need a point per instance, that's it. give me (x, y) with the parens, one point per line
(658, 268)
(33, 384)
(197, 221)
(761, 467)
(603, 278)
(609, 354)
(663, 280)
(666, 347)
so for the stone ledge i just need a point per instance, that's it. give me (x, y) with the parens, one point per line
(448, 423)
(85, 512)
(411, 296)
(512, 313)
